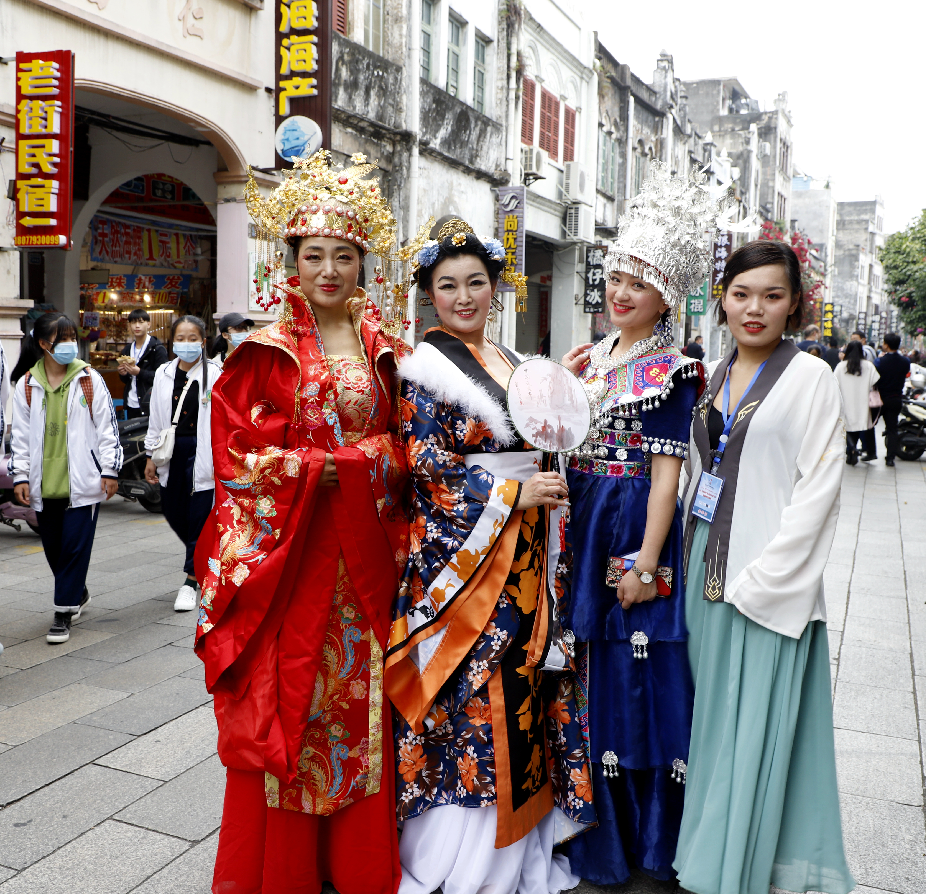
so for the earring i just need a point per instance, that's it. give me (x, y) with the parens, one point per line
(662, 332)
(423, 299)
(497, 304)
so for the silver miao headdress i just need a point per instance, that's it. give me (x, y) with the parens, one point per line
(665, 236)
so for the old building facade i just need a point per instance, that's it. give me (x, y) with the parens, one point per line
(859, 277)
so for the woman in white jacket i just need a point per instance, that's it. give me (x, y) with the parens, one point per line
(66, 456)
(181, 397)
(761, 803)
(856, 378)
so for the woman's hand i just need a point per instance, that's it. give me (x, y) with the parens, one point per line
(21, 493)
(543, 489)
(631, 590)
(576, 359)
(129, 370)
(329, 473)
(151, 471)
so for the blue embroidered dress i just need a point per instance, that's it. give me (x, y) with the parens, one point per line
(633, 663)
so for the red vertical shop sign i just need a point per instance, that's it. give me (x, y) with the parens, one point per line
(44, 148)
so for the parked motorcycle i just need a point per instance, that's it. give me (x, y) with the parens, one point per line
(911, 429)
(132, 484)
(916, 381)
(11, 512)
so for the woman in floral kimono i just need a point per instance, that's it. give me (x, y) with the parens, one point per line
(491, 759)
(301, 560)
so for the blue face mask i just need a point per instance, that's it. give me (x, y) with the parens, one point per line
(237, 337)
(187, 351)
(65, 352)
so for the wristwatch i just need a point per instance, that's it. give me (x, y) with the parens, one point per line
(645, 576)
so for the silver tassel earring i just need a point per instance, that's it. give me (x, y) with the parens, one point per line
(609, 765)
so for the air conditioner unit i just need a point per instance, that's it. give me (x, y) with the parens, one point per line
(765, 150)
(580, 223)
(577, 185)
(534, 162)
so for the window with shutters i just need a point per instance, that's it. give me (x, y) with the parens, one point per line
(528, 92)
(479, 74)
(607, 162)
(549, 123)
(639, 172)
(427, 37)
(454, 54)
(339, 10)
(373, 26)
(569, 134)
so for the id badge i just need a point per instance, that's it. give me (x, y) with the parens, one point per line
(707, 497)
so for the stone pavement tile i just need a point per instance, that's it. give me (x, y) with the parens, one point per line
(196, 673)
(130, 618)
(881, 767)
(868, 709)
(875, 667)
(877, 585)
(917, 623)
(125, 646)
(189, 806)
(834, 573)
(920, 684)
(50, 818)
(919, 657)
(842, 555)
(868, 605)
(37, 651)
(106, 579)
(32, 585)
(884, 844)
(10, 594)
(23, 623)
(835, 638)
(877, 634)
(190, 873)
(111, 859)
(54, 709)
(148, 709)
(42, 678)
(154, 589)
(44, 759)
(146, 670)
(181, 619)
(170, 749)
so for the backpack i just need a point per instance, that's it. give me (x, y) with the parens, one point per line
(86, 385)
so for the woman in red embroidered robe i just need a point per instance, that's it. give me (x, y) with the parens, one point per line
(299, 566)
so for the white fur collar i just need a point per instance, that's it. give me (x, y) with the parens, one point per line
(433, 372)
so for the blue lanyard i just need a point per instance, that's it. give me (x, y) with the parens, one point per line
(728, 417)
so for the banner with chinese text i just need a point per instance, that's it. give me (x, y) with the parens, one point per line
(595, 282)
(512, 204)
(697, 303)
(723, 245)
(44, 148)
(303, 78)
(121, 242)
(827, 319)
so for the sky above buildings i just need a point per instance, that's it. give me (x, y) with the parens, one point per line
(853, 72)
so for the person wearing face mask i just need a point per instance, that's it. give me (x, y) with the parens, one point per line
(624, 589)
(66, 456)
(181, 399)
(141, 359)
(299, 562)
(233, 330)
(767, 448)
(491, 765)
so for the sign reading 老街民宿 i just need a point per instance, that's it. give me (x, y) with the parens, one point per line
(303, 78)
(697, 303)
(512, 201)
(595, 280)
(44, 148)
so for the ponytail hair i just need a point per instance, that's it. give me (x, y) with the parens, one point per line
(52, 328)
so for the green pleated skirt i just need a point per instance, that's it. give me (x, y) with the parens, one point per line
(761, 803)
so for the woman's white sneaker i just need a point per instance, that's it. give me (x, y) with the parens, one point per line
(186, 599)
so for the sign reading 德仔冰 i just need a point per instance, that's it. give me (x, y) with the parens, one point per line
(593, 299)
(303, 79)
(512, 201)
(44, 148)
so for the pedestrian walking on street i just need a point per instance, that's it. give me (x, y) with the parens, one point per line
(4, 397)
(831, 352)
(893, 368)
(856, 378)
(761, 803)
(233, 329)
(811, 339)
(695, 348)
(181, 402)
(141, 359)
(66, 456)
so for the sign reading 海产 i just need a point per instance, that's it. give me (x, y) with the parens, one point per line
(303, 79)
(44, 148)
(512, 201)
(723, 245)
(595, 283)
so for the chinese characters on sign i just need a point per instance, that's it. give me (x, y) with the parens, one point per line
(827, 319)
(44, 148)
(697, 303)
(723, 246)
(120, 242)
(511, 231)
(593, 302)
(303, 79)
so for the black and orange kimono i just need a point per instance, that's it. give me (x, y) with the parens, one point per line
(297, 586)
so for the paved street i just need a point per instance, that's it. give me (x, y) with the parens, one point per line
(108, 775)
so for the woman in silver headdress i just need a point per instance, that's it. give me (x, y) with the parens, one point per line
(624, 589)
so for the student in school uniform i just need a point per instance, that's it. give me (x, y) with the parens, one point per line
(66, 456)
(140, 360)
